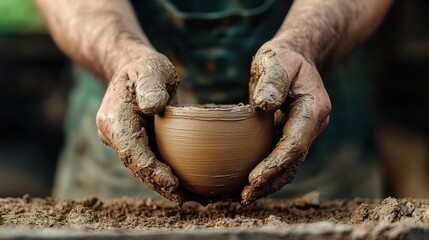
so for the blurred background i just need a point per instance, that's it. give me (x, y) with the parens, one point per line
(387, 105)
(34, 83)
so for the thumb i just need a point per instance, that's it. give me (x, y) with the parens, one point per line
(269, 83)
(155, 81)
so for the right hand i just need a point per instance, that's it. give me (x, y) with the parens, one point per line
(140, 89)
(282, 78)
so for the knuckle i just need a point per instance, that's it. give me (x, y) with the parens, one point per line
(103, 138)
(320, 105)
(325, 123)
(328, 106)
(156, 77)
(103, 124)
(325, 108)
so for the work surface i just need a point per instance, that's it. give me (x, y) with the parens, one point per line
(135, 218)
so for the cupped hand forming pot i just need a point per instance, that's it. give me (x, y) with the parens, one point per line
(283, 79)
(142, 88)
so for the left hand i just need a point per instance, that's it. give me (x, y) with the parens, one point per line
(282, 78)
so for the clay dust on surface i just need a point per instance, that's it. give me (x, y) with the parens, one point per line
(146, 214)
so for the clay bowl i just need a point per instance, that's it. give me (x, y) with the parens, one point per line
(213, 148)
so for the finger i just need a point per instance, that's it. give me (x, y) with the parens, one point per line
(124, 129)
(103, 138)
(271, 76)
(308, 116)
(155, 81)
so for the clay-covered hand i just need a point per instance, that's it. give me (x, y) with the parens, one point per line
(282, 78)
(142, 88)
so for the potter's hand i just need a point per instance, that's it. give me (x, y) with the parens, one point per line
(140, 89)
(282, 78)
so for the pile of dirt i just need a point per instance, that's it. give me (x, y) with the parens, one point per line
(392, 210)
(146, 214)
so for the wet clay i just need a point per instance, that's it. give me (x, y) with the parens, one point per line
(141, 89)
(146, 214)
(213, 148)
(282, 79)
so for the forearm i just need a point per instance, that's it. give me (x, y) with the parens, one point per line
(325, 30)
(102, 35)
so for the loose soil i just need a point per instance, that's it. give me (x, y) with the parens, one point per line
(146, 214)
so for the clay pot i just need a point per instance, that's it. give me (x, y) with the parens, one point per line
(213, 148)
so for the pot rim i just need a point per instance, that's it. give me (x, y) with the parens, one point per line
(225, 112)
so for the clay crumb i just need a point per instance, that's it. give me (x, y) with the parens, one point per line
(273, 220)
(392, 210)
(91, 202)
(310, 199)
(360, 214)
(424, 213)
(26, 198)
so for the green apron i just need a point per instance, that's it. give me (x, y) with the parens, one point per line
(211, 43)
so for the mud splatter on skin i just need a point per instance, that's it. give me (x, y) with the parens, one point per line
(320, 30)
(283, 79)
(143, 88)
(284, 75)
